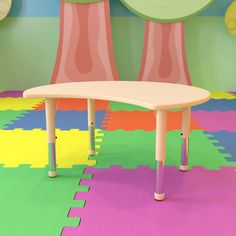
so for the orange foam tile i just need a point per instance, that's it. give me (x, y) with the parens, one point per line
(66, 104)
(144, 120)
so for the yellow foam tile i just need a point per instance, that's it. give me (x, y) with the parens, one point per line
(98, 140)
(222, 95)
(19, 103)
(30, 147)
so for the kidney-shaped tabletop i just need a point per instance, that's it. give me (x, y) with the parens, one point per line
(151, 95)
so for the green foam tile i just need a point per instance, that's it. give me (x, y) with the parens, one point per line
(118, 106)
(137, 148)
(33, 204)
(7, 116)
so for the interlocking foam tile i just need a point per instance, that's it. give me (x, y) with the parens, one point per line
(30, 147)
(118, 106)
(19, 103)
(132, 149)
(120, 202)
(143, 120)
(222, 95)
(75, 104)
(215, 120)
(7, 116)
(65, 120)
(217, 105)
(11, 94)
(225, 140)
(233, 93)
(33, 204)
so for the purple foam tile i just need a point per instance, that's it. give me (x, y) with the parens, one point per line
(74, 212)
(216, 121)
(88, 170)
(80, 196)
(234, 93)
(70, 231)
(226, 168)
(85, 182)
(146, 168)
(230, 159)
(120, 202)
(11, 94)
(198, 168)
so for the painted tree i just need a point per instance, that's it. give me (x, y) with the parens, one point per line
(230, 18)
(85, 51)
(164, 58)
(5, 6)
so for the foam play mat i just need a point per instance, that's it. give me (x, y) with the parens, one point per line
(120, 203)
(113, 190)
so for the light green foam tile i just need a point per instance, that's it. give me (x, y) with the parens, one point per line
(31, 203)
(8, 115)
(118, 106)
(137, 148)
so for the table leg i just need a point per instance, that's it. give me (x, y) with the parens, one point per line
(51, 136)
(161, 127)
(91, 126)
(186, 119)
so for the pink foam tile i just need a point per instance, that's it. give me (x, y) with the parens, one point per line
(215, 121)
(11, 94)
(120, 202)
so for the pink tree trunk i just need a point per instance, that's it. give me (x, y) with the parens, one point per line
(85, 51)
(164, 58)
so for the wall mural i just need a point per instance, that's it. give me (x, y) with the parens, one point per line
(230, 18)
(5, 6)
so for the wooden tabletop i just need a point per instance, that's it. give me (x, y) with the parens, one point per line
(151, 95)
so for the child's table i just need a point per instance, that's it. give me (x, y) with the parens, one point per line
(159, 97)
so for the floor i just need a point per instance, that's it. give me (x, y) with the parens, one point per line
(112, 193)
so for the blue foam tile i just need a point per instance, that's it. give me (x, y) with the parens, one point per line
(226, 140)
(230, 159)
(217, 105)
(65, 120)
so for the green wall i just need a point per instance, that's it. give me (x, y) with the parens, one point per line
(211, 53)
(28, 48)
